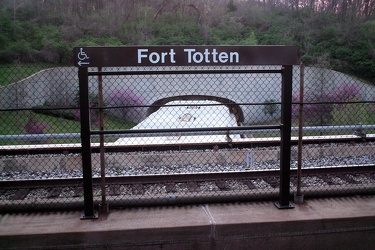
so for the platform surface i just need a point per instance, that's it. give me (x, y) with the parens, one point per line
(331, 223)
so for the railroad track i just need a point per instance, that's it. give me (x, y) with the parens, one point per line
(183, 188)
(157, 179)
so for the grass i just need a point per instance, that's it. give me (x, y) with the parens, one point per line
(371, 118)
(13, 124)
(10, 73)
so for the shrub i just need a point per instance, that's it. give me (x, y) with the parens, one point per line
(34, 126)
(317, 109)
(346, 92)
(121, 99)
(322, 110)
(94, 117)
(295, 107)
(270, 107)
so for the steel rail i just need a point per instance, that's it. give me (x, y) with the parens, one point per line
(74, 203)
(161, 178)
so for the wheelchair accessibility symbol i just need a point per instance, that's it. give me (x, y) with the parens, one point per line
(82, 56)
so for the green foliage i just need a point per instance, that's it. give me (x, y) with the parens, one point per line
(97, 41)
(140, 30)
(368, 31)
(231, 32)
(47, 31)
(349, 46)
(174, 29)
(227, 32)
(29, 42)
(250, 39)
(5, 29)
(231, 6)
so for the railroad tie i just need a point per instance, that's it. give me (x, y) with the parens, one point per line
(327, 179)
(193, 186)
(138, 189)
(249, 184)
(349, 179)
(272, 181)
(20, 194)
(170, 187)
(294, 180)
(114, 190)
(222, 185)
(54, 192)
(78, 191)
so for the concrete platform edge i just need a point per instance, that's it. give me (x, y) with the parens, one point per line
(341, 223)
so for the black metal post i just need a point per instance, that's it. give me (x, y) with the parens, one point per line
(89, 212)
(285, 147)
(103, 207)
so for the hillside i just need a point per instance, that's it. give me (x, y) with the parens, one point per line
(332, 34)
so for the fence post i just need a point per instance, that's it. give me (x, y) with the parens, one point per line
(285, 147)
(88, 212)
(298, 197)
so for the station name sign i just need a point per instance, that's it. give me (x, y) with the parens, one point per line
(184, 56)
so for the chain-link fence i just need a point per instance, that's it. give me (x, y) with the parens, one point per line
(40, 134)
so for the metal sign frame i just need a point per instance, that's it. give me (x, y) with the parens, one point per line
(85, 57)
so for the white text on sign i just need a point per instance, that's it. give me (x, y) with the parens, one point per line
(191, 55)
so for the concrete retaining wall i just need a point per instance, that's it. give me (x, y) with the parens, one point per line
(59, 87)
(55, 86)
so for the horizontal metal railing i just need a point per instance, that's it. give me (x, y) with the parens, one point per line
(187, 132)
